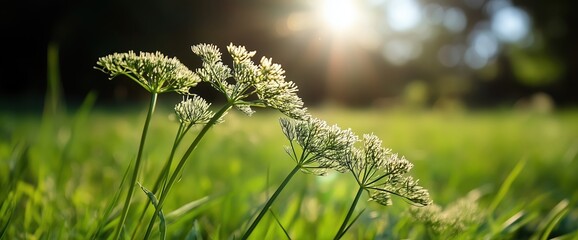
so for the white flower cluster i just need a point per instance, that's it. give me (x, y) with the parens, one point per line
(383, 173)
(323, 146)
(376, 169)
(265, 81)
(456, 218)
(193, 111)
(153, 71)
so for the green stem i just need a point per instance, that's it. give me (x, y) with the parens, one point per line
(270, 202)
(181, 164)
(163, 175)
(135, 173)
(342, 230)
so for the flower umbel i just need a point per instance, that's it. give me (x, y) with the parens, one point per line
(454, 219)
(277, 93)
(193, 111)
(213, 70)
(322, 146)
(249, 85)
(153, 71)
(382, 173)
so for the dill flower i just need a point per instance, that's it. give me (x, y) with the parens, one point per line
(382, 173)
(213, 70)
(153, 71)
(322, 146)
(456, 218)
(247, 84)
(277, 93)
(193, 111)
(157, 74)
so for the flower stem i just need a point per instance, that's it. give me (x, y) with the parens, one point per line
(342, 229)
(270, 202)
(163, 175)
(181, 164)
(136, 169)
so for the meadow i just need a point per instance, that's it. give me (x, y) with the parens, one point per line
(492, 174)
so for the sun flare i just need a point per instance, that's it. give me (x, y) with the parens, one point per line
(339, 15)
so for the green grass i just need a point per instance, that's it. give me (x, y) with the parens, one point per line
(59, 172)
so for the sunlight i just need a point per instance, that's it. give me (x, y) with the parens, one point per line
(403, 15)
(339, 15)
(511, 24)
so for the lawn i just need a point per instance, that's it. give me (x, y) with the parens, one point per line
(498, 174)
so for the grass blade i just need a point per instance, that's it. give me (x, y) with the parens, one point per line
(110, 207)
(162, 222)
(270, 202)
(187, 208)
(280, 224)
(7, 206)
(53, 102)
(505, 188)
(547, 225)
(352, 221)
(195, 233)
(569, 236)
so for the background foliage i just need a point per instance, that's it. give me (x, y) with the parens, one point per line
(66, 133)
(328, 66)
(61, 174)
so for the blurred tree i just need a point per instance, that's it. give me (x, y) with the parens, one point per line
(456, 48)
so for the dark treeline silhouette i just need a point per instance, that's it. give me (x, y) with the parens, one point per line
(86, 30)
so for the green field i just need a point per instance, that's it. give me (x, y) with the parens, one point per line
(500, 174)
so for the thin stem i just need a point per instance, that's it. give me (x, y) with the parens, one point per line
(181, 164)
(136, 170)
(342, 229)
(270, 201)
(183, 160)
(163, 175)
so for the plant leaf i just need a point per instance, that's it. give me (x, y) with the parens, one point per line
(154, 201)
(187, 208)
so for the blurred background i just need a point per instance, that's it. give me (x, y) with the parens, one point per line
(377, 54)
(418, 53)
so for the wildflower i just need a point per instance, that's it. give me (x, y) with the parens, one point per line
(157, 74)
(277, 93)
(322, 146)
(153, 71)
(213, 71)
(193, 111)
(382, 173)
(209, 53)
(456, 218)
(252, 85)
